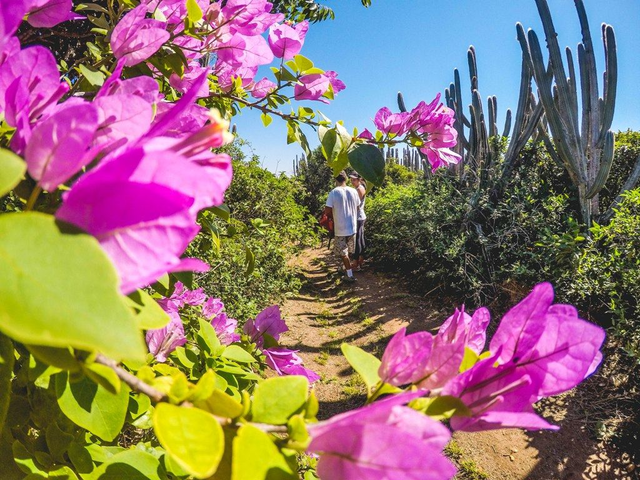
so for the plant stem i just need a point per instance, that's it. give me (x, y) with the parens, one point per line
(33, 197)
(157, 396)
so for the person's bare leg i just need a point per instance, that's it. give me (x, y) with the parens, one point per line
(346, 262)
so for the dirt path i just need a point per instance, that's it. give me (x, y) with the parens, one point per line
(329, 312)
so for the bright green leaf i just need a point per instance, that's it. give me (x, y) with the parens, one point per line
(252, 444)
(194, 12)
(56, 357)
(12, 169)
(61, 291)
(192, 437)
(222, 405)
(303, 63)
(368, 161)
(91, 406)
(441, 408)
(278, 398)
(239, 354)
(149, 314)
(250, 261)
(130, 465)
(266, 119)
(103, 375)
(94, 77)
(362, 362)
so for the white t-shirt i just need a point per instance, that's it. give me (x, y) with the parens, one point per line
(345, 202)
(361, 214)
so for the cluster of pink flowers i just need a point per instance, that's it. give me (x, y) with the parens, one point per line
(540, 349)
(268, 325)
(163, 341)
(233, 31)
(265, 328)
(430, 123)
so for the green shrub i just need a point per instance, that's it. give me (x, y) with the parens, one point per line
(398, 174)
(627, 151)
(266, 221)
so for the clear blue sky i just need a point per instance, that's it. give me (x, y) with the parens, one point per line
(414, 45)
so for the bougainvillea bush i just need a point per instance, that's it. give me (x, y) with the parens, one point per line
(111, 366)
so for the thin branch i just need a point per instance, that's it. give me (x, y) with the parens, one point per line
(157, 396)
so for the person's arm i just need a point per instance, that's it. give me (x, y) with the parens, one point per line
(362, 192)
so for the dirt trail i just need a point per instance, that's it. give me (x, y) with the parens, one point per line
(329, 312)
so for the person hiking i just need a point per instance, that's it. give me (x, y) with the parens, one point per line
(342, 204)
(361, 187)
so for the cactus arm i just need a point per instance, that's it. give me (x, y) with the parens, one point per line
(507, 123)
(573, 89)
(585, 87)
(493, 127)
(401, 104)
(557, 64)
(563, 137)
(610, 79)
(605, 166)
(473, 67)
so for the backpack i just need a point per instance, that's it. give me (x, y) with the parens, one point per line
(326, 222)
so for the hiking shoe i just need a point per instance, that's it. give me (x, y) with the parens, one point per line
(350, 279)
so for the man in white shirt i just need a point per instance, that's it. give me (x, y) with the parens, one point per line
(343, 203)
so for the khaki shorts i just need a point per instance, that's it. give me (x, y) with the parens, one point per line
(343, 246)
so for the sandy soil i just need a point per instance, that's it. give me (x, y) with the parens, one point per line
(328, 312)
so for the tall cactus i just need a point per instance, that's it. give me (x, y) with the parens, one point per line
(582, 141)
(476, 130)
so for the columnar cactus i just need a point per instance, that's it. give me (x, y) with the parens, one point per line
(476, 130)
(580, 138)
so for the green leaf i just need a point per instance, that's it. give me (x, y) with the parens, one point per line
(221, 404)
(276, 399)
(192, 437)
(252, 444)
(239, 354)
(103, 375)
(250, 261)
(303, 63)
(441, 408)
(25, 460)
(130, 465)
(362, 362)
(149, 314)
(266, 119)
(57, 441)
(469, 360)
(194, 12)
(94, 77)
(12, 169)
(91, 406)
(368, 161)
(207, 338)
(62, 291)
(345, 136)
(56, 357)
(7, 359)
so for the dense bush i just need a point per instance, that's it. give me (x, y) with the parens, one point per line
(265, 221)
(316, 179)
(627, 151)
(467, 240)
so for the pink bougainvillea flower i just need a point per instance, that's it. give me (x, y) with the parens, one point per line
(122, 117)
(250, 17)
(406, 357)
(174, 11)
(29, 84)
(540, 349)
(287, 362)
(59, 145)
(244, 51)
(182, 296)
(191, 75)
(441, 157)
(135, 38)
(473, 328)
(212, 308)
(391, 123)
(286, 40)
(49, 13)
(336, 84)
(225, 328)
(144, 87)
(366, 134)
(227, 74)
(11, 14)
(263, 88)
(268, 322)
(163, 341)
(139, 205)
(382, 441)
(312, 87)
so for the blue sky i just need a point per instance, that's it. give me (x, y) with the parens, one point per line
(413, 46)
